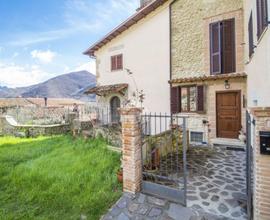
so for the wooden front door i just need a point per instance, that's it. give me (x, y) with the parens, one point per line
(228, 114)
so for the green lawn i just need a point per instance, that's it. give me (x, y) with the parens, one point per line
(56, 178)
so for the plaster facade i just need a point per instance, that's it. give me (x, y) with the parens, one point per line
(146, 52)
(258, 65)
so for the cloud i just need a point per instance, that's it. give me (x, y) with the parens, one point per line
(13, 75)
(81, 16)
(43, 56)
(89, 66)
(102, 13)
(15, 55)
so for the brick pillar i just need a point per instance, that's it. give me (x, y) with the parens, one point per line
(261, 167)
(131, 146)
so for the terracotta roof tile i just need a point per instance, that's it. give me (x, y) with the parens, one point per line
(208, 78)
(107, 89)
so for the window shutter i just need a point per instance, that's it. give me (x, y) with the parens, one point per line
(228, 46)
(200, 98)
(259, 19)
(120, 62)
(113, 63)
(264, 13)
(175, 100)
(215, 48)
(250, 35)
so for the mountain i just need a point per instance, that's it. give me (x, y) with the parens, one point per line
(71, 85)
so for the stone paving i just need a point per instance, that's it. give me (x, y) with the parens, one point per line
(144, 207)
(221, 186)
(216, 185)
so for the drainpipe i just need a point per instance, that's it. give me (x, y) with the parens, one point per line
(170, 33)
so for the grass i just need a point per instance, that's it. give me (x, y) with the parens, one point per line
(56, 178)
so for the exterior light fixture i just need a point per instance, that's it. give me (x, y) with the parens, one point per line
(227, 84)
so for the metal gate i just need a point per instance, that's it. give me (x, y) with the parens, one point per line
(249, 168)
(164, 148)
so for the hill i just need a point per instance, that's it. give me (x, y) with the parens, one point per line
(71, 85)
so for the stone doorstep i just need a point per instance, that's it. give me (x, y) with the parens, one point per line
(228, 142)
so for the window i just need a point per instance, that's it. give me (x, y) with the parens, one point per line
(117, 62)
(250, 36)
(187, 99)
(262, 16)
(222, 47)
(196, 137)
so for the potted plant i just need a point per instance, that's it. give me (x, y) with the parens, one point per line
(120, 175)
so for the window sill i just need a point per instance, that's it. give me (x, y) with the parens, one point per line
(119, 70)
(193, 113)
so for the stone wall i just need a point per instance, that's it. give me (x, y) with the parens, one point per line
(195, 120)
(110, 132)
(261, 167)
(32, 131)
(190, 30)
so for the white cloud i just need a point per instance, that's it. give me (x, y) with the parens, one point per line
(89, 66)
(13, 75)
(82, 16)
(15, 55)
(43, 56)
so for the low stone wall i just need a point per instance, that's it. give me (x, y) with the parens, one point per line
(32, 130)
(111, 132)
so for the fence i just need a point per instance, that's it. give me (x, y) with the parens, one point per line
(164, 162)
(100, 115)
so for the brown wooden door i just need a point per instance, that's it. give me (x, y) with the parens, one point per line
(228, 114)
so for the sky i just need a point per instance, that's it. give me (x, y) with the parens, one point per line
(42, 39)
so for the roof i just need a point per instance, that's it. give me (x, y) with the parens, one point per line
(140, 14)
(51, 102)
(55, 102)
(13, 102)
(105, 90)
(208, 78)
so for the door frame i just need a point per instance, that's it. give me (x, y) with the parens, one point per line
(240, 109)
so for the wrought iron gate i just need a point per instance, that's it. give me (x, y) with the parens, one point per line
(164, 156)
(249, 168)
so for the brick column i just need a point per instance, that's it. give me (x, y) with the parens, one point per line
(131, 146)
(261, 167)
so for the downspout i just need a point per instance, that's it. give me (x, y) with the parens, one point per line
(170, 33)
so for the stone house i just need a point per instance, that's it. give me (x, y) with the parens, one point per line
(257, 59)
(208, 79)
(133, 60)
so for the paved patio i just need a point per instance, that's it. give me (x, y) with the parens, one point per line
(217, 181)
(144, 207)
(216, 185)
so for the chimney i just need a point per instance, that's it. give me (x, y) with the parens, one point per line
(143, 3)
(46, 101)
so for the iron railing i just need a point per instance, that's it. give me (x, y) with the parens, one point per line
(164, 147)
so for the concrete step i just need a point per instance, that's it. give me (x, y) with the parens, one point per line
(235, 143)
